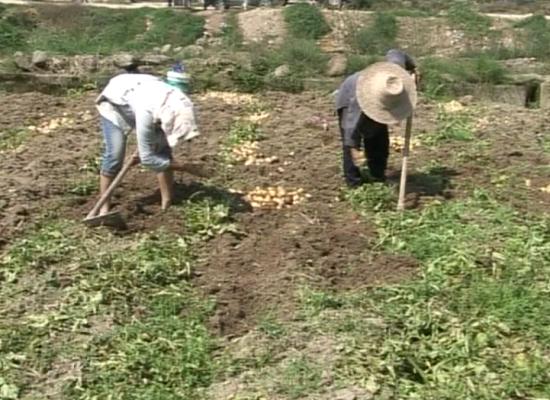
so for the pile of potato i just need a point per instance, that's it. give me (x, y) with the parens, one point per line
(453, 106)
(248, 153)
(398, 142)
(52, 125)
(275, 197)
(229, 97)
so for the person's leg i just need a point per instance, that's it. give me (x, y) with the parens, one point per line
(113, 158)
(352, 174)
(165, 178)
(377, 147)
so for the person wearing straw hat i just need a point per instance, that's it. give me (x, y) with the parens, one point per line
(367, 102)
(161, 114)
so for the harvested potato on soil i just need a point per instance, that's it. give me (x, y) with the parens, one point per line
(257, 118)
(248, 153)
(53, 124)
(275, 197)
(229, 97)
(545, 189)
(398, 142)
(453, 106)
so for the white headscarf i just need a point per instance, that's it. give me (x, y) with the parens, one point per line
(177, 118)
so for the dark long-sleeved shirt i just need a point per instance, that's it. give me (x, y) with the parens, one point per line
(346, 99)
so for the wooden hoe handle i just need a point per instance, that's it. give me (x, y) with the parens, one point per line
(112, 186)
(403, 181)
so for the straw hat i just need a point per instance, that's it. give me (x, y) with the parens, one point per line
(386, 92)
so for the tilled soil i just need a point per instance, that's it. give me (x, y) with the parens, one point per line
(320, 242)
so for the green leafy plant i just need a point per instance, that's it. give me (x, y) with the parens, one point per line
(536, 36)
(371, 197)
(206, 219)
(300, 377)
(450, 126)
(463, 15)
(305, 21)
(378, 37)
(231, 32)
(358, 62)
(12, 138)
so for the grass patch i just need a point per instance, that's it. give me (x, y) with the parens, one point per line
(83, 30)
(300, 377)
(240, 132)
(119, 307)
(305, 21)
(378, 37)
(536, 31)
(12, 138)
(463, 15)
(358, 62)
(206, 219)
(374, 196)
(302, 56)
(439, 75)
(163, 356)
(474, 324)
(231, 32)
(455, 126)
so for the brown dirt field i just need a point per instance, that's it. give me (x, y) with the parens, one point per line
(321, 242)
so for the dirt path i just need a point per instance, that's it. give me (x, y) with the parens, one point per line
(262, 24)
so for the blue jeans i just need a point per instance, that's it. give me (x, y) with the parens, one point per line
(114, 140)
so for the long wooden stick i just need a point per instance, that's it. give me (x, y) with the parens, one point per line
(403, 181)
(112, 186)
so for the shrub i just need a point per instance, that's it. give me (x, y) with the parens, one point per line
(463, 15)
(305, 21)
(303, 56)
(85, 30)
(378, 37)
(439, 73)
(231, 32)
(537, 36)
(358, 62)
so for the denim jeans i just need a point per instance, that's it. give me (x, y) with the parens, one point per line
(114, 151)
(376, 144)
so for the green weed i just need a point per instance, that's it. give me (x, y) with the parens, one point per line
(12, 138)
(371, 197)
(206, 219)
(84, 186)
(440, 75)
(473, 325)
(120, 308)
(231, 33)
(299, 378)
(450, 126)
(164, 356)
(536, 36)
(378, 37)
(463, 15)
(358, 62)
(83, 30)
(305, 21)
(240, 132)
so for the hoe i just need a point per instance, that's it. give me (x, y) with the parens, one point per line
(114, 219)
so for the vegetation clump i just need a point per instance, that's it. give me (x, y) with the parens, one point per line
(305, 21)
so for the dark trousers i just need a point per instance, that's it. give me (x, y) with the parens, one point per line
(376, 144)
